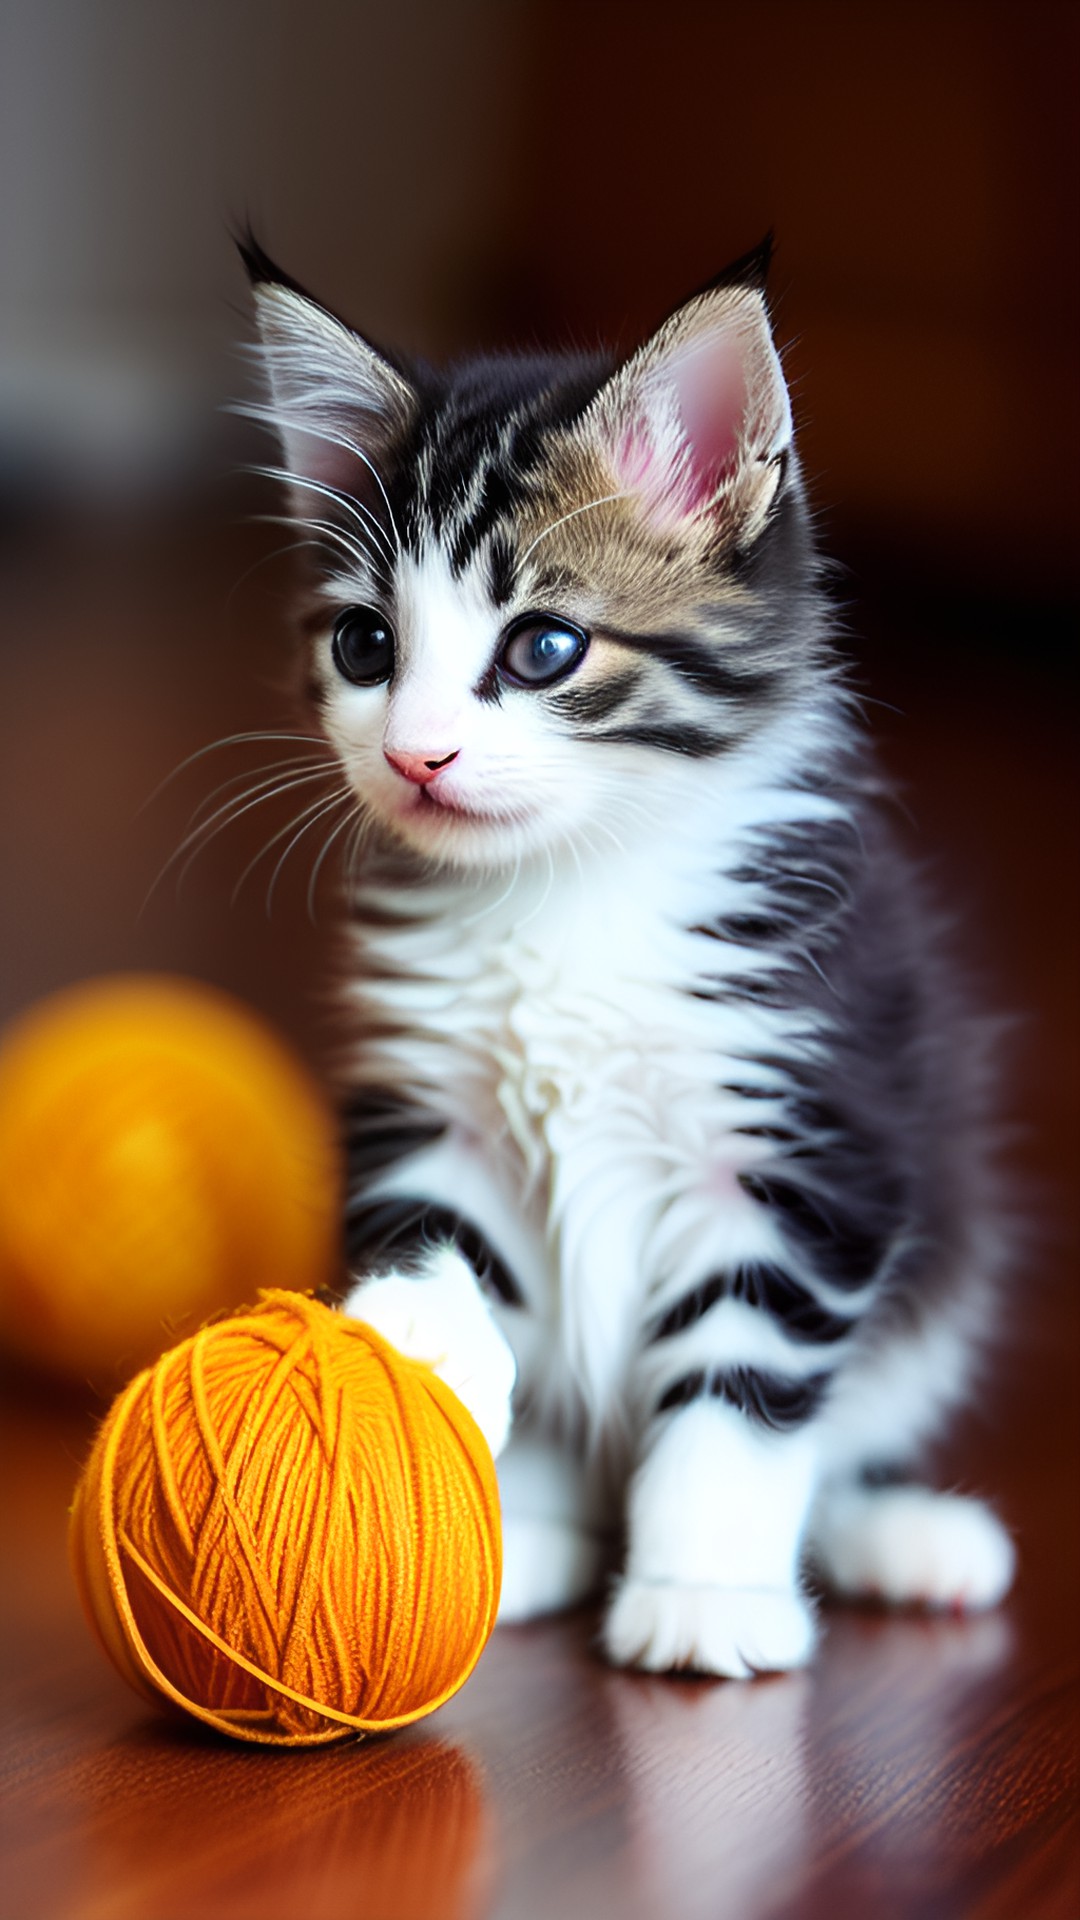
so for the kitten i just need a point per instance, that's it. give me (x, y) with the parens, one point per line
(661, 1096)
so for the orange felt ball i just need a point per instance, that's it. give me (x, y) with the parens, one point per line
(290, 1530)
(162, 1154)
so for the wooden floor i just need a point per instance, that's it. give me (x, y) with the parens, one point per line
(922, 1767)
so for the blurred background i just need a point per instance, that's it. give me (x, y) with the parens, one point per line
(520, 171)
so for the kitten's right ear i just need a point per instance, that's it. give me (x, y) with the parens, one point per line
(336, 401)
(696, 425)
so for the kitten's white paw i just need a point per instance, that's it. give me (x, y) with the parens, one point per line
(548, 1565)
(731, 1631)
(440, 1316)
(910, 1546)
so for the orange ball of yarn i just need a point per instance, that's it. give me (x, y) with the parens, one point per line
(162, 1154)
(290, 1530)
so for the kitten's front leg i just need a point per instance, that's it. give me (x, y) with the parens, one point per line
(716, 1514)
(436, 1312)
(553, 1541)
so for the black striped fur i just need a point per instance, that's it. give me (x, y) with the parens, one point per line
(771, 1400)
(396, 1232)
(766, 1287)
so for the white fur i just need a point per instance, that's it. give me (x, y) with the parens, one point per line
(919, 1373)
(555, 1527)
(715, 1513)
(322, 377)
(439, 1316)
(542, 984)
(910, 1546)
(731, 1631)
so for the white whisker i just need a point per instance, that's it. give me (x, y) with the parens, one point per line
(362, 827)
(603, 501)
(349, 446)
(322, 532)
(199, 838)
(568, 841)
(266, 777)
(316, 813)
(542, 902)
(313, 808)
(612, 836)
(233, 740)
(242, 802)
(326, 846)
(279, 553)
(364, 518)
(473, 919)
(325, 530)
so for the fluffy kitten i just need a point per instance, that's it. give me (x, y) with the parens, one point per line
(657, 1077)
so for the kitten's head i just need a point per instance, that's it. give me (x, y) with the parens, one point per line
(541, 580)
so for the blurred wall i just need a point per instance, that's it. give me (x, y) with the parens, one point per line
(918, 163)
(530, 169)
(363, 141)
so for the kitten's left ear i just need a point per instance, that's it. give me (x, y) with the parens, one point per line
(697, 424)
(337, 402)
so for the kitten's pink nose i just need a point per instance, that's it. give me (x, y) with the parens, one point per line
(418, 769)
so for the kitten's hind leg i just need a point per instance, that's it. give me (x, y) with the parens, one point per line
(909, 1546)
(554, 1542)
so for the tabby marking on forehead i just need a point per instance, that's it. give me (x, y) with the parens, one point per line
(580, 525)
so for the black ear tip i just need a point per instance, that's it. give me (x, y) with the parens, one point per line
(261, 270)
(258, 264)
(750, 270)
(759, 260)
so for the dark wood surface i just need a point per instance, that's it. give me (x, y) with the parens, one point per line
(922, 1767)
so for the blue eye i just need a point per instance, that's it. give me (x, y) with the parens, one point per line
(539, 649)
(363, 647)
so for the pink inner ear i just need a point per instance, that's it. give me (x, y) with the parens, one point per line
(710, 382)
(677, 458)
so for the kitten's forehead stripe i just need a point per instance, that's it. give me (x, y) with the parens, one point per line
(501, 568)
(466, 472)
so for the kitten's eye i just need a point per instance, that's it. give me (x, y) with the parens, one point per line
(539, 649)
(363, 646)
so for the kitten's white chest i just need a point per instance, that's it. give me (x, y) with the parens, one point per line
(566, 1030)
(594, 1028)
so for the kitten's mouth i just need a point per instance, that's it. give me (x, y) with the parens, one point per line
(443, 804)
(446, 824)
